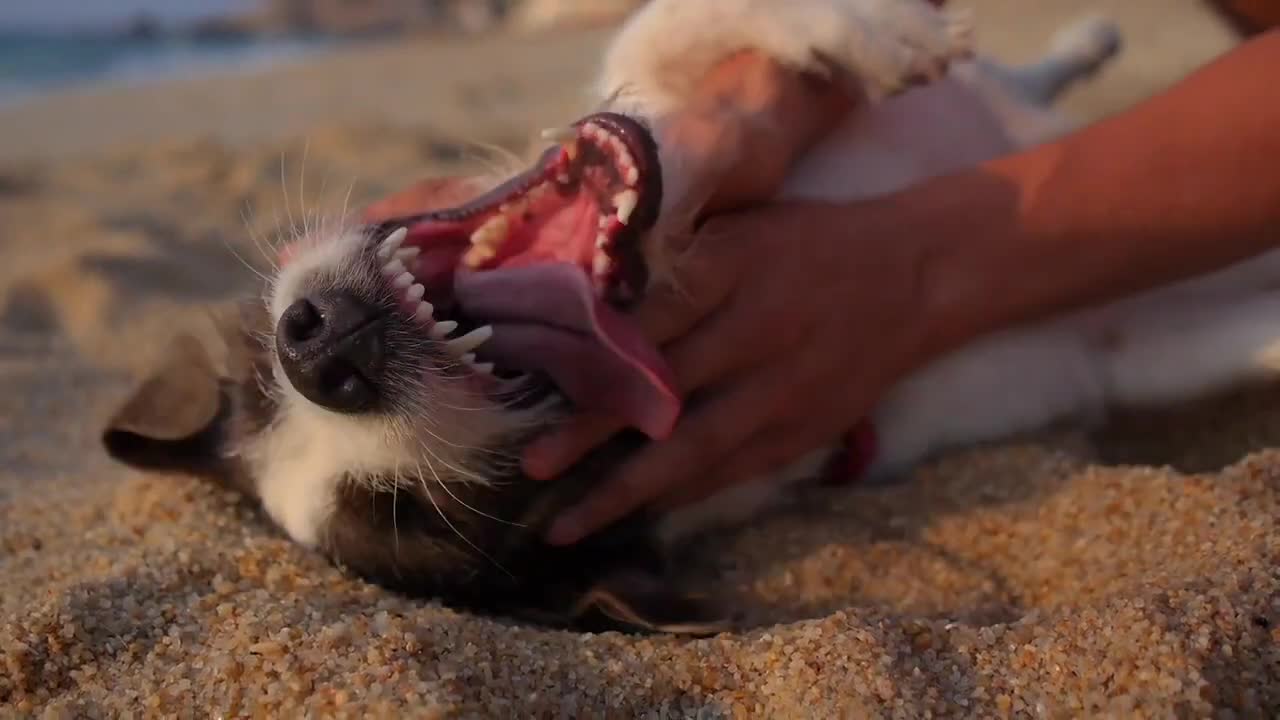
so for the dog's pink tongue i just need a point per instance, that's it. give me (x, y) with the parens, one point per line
(546, 317)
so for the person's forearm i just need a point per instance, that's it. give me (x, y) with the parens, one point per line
(1185, 183)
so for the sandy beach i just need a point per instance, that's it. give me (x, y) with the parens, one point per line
(1126, 572)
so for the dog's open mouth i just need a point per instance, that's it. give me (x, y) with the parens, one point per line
(533, 275)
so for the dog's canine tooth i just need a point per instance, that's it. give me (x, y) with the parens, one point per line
(471, 340)
(415, 292)
(403, 281)
(392, 242)
(395, 268)
(424, 311)
(625, 202)
(442, 329)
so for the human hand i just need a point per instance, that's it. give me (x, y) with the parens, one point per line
(793, 319)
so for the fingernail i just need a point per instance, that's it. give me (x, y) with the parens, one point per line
(566, 530)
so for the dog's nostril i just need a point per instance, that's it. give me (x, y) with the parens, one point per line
(302, 321)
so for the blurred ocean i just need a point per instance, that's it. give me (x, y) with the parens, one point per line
(35, 62)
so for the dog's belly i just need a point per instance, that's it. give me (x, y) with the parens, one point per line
(959, 122)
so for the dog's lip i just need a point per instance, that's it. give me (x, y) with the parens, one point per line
(547, 261)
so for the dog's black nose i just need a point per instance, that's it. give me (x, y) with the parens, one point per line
(332, 346)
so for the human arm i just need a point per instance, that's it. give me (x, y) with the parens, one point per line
(788, 349)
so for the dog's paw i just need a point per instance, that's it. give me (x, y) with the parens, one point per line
(878, 46)
(1090, 42)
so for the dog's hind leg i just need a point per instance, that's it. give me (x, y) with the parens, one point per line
(1075, 53)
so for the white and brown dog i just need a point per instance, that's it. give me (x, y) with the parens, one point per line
(377, 397)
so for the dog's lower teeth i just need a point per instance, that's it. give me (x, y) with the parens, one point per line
(415, 292)
(602, 264)
(424, 311)
(471, 340)
(442, 329)
(403, 280)
(602, 241)
(632, 176)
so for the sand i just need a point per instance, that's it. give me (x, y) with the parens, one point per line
(1127, 572)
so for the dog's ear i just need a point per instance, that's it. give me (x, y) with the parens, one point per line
(633, 600)
(174, 420)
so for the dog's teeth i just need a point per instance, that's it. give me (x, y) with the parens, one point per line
(625, 202)
(632, 176)
(403, 280)
(485, 368)
(562, 178)
(560, 134)
(602, 241)
(486, 239)
(469, 358)
(415, 292)
(442, 329)
(602, 264)
(394, 268)
(471, 340)
(392, 242)
(406, 254)
(494, 230)
(424, 311)
(593, 130)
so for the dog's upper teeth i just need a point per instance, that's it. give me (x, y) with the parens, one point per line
(403, 280)
(625, 202)
(485, 368)
(392, 242)
(486, 239)
(424, 311)
(441, 330)
(471, 340)
(602, 241)
(406, 254)
(415, 292)
(632, 176)
(602, 264)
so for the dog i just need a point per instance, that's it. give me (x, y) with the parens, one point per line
(375, 398)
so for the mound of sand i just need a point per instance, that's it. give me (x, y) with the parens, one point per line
(1131, 572)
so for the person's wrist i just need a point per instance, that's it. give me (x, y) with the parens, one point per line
(955, 230)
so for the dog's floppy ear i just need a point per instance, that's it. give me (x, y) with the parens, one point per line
(174, 420)
(633, 600)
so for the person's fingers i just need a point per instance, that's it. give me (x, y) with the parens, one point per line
(424, 195)
(554, 452)
(767, 452)
(702, 439)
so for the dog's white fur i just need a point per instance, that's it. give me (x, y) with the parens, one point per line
(1163, 346)
(1166, 345)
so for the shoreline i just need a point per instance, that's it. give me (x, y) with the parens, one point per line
(497, 84)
